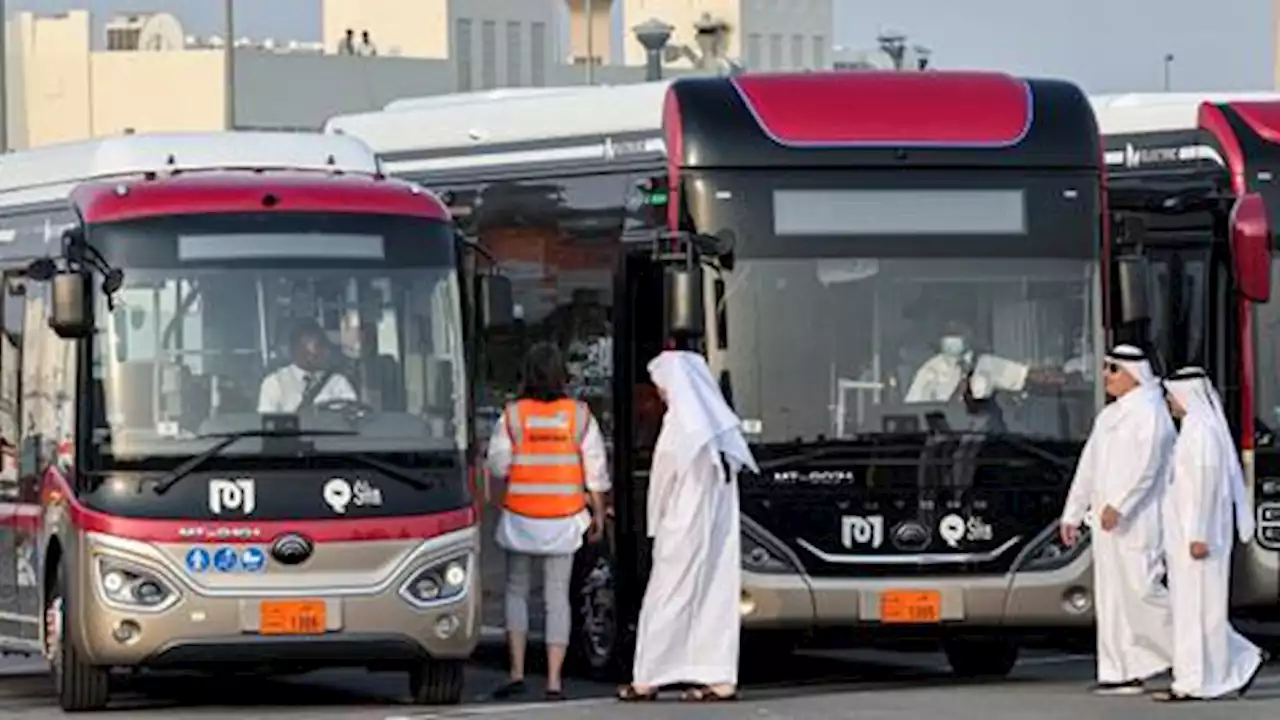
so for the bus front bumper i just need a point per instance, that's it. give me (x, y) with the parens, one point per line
(1052, 598)
(378, 625)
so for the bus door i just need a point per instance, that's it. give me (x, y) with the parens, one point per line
(1178, 249)
(639, 339)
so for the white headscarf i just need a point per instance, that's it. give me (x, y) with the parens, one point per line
(1134, 361)
(1190, 386)
(697, 408)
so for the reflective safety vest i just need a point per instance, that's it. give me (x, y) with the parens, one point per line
(547, 479)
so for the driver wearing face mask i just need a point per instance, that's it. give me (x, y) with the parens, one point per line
(939, 379)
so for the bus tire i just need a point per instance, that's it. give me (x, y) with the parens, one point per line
(437, 682)
(766, 648)
(594, 642)
(80, 686)
(975, 657)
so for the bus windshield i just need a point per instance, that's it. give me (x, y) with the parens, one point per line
(350, 324)
(835, 348)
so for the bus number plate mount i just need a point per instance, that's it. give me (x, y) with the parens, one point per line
(292, 617)
(910, 606)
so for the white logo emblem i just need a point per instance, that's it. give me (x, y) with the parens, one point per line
(979, 530)
(855, 529)
(952, 529)
(227, 495)
(340, 494)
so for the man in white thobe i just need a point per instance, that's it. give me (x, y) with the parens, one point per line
(689, 622)
(1116, 490)
(1205, 497)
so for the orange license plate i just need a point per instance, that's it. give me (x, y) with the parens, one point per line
(911, 606)
(292, 617)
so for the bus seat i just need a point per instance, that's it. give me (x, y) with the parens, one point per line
(390, 383)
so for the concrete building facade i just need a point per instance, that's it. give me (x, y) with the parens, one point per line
(60, 88)
(763, 35)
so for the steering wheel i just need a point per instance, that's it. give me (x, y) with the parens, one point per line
(353, 408)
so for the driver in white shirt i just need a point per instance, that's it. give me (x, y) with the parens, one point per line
(939, 379)
(285, 390)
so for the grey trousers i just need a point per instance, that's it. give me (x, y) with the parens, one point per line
(557, 573)
(557, 570)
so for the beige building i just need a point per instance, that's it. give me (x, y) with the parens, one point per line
(152, 77)
(763, 35)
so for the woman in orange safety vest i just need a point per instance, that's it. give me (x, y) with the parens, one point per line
(551, 452)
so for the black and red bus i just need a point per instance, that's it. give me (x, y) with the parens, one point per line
(897, 278)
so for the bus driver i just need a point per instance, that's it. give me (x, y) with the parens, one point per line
(308, 380)
(939, 379)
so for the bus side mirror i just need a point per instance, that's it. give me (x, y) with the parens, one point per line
(1251, 248)
(496, 301)
(682, 301)
(1132, 272)
(69, 317)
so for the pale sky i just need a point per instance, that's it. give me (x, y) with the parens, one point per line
(1104, 45)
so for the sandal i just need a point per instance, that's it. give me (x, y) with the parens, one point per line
(629, 693)
(706, 694)
(509, 690)
(554, 696)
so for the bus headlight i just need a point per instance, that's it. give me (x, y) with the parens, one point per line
(1047, 551)
(758, 557)
(130, 586)
(442, 581)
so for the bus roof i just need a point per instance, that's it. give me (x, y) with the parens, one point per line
(49, 173)
(482, 96)
(1135, 113)
(474, 132)
(243, 192)
(475, 122)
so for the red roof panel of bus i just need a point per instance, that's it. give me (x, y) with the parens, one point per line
(237, 192)
(938, 109)
(1261, 117)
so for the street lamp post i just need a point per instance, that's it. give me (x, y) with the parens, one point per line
(1168, 72)
(229, 63)
(589, 12)
(4, 77)
(654, 35)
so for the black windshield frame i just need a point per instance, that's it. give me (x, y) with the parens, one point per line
(151, 244)
(1063, 228)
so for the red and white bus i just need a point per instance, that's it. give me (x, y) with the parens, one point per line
(174, 504)
(1194, 188)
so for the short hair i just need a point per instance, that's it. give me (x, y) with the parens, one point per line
(304, 329)
(544, 375)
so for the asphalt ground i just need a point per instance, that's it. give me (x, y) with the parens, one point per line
(864, 685)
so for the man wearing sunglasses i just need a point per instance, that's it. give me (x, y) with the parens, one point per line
(1116, 490)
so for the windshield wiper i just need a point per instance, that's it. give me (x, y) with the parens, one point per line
(228, 439)
(395, 472)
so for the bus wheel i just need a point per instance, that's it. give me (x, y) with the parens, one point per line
(79, 685)
(974, 657)
(593, 644)
(437, 682)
